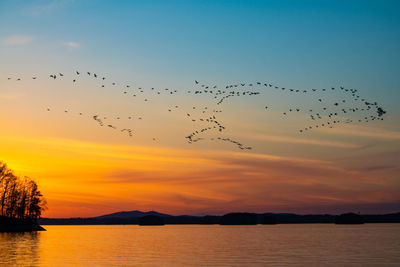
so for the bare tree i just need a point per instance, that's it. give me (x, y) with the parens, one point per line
(19, 198)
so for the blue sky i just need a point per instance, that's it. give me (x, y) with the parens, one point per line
(294, 43)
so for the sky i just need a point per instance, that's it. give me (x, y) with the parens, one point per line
(84, 169)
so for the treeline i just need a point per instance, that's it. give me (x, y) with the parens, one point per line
(20, 198)
(227, 219)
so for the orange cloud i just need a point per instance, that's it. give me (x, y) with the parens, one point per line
(87, 179)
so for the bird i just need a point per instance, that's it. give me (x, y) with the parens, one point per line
(231, 90)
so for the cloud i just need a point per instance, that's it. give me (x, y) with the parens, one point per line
(380, 168)
(257, 182)
(17, 40)
(303, 141)
(364, 131)
(198, 182)
(72, 45)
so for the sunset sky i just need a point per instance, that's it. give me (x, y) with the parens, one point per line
(85, 170)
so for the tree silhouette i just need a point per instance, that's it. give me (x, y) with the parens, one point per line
(19, 198)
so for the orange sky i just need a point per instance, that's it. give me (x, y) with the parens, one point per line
(81, 178)
(87, 170)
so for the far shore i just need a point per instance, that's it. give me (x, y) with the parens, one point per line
(133, 218)
(235, 218)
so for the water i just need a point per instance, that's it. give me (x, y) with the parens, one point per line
(205, 245)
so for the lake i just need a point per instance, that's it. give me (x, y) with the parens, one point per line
(205, 245)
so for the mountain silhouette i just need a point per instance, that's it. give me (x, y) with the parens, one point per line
(238, 218)
(130, 214)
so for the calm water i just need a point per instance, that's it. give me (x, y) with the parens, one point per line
(208, 245)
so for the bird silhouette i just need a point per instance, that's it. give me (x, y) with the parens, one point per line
(342, 107)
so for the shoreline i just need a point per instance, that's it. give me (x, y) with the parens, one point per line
(100, 224)
(132, 218)
(20, 228)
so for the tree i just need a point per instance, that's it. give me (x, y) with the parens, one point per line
(36, 201)
(19, 198)
(6, 177)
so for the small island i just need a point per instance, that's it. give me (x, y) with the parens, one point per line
(151, 220)
(239, 218)
(21, 202)
(349, 218)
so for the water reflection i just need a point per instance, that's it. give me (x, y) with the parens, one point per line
(19, 249)
(205, 245)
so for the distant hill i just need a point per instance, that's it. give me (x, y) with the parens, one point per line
(130, 214)
(133, 217)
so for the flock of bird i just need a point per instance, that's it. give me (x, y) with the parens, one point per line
(327, 113)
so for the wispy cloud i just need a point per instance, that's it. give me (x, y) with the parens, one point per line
(304, 141)
(186, 181)
(17, 40)
(364, 131)
(72, 45)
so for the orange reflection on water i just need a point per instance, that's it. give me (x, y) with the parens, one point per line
(204, 245)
